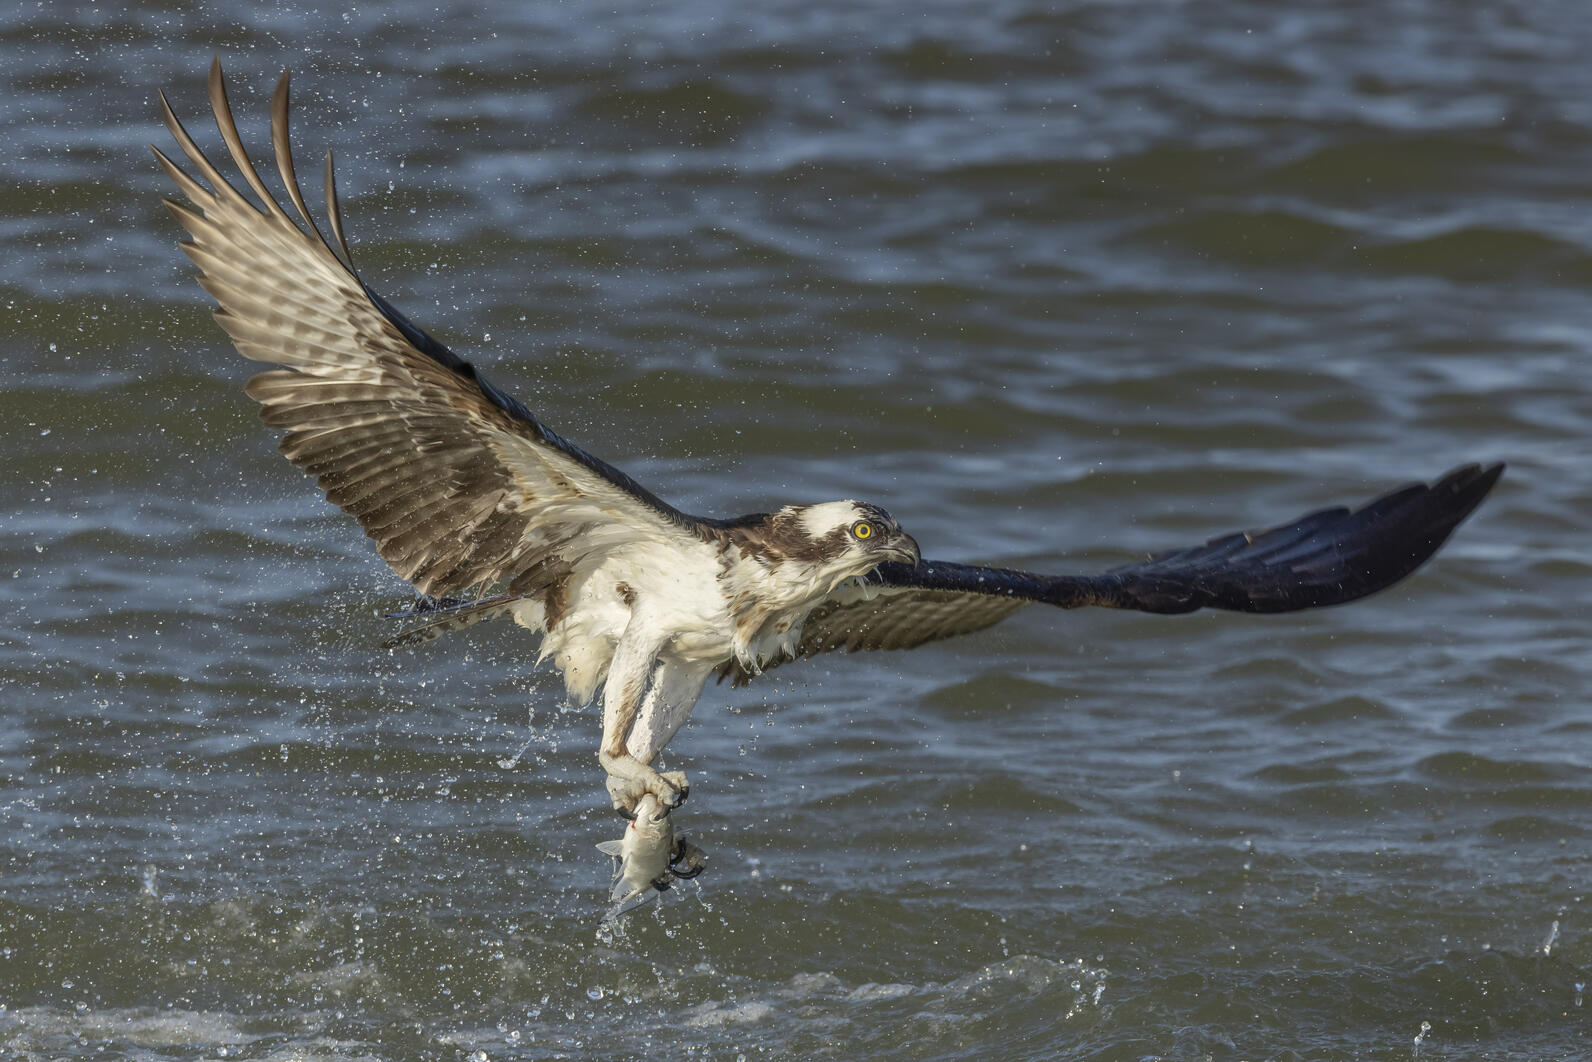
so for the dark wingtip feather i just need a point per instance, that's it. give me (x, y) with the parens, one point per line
(1327, 558)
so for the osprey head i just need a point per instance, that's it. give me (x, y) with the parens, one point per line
(852, 534)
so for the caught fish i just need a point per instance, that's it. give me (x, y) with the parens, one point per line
(648, 858)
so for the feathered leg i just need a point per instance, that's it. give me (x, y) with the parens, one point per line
(628, 777)
(672, 694)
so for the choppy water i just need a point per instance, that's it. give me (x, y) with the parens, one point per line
(1057, 284)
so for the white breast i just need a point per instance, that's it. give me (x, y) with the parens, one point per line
(665, 593)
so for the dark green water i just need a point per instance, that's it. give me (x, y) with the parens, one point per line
(1058, 284)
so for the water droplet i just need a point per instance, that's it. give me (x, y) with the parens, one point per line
(1553, 935)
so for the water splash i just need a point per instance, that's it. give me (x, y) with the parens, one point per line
(1420, 1039)
(696, 894)
(514, 760)
(1553, 935)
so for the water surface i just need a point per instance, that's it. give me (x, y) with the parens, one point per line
(1057, 284)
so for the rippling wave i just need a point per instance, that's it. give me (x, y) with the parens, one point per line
(1058, 284)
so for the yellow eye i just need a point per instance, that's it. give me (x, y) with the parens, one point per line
(862, 530)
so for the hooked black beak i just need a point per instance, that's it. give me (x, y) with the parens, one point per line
(905, 548)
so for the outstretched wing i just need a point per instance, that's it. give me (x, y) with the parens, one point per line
(459, 484)
(1325, 558)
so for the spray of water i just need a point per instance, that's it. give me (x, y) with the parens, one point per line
(1420, 1039)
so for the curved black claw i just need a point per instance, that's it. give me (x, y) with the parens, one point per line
(628, 816)
(689, 854)
(680, 793)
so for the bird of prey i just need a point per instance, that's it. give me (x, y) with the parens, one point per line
(489, 513)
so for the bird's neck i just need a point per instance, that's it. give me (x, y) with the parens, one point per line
(769, 600)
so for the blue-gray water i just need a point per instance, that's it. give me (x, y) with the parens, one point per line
(1057, 284)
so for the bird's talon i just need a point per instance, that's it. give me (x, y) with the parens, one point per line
(675, 782)
(691, 856)
(631, 782)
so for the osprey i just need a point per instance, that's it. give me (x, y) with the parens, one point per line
(490, 513)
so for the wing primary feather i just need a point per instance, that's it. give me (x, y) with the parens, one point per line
(333, 214)
(228, 128)
(191, 188)
(282, 147)
(219, 185)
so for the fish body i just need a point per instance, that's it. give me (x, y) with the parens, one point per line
(648, 858)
